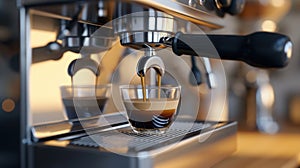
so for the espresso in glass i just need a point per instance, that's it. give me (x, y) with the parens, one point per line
(83, 107)
(154, 114)
(84, 101)
(151, 115)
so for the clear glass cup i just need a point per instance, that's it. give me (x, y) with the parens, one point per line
(84, 101)
(156, 113)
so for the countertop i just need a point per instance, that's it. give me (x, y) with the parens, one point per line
(255, 150)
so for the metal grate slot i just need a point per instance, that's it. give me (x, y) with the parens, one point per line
(134, 142)
(66, 128)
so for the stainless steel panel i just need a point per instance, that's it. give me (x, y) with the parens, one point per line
(201, 150)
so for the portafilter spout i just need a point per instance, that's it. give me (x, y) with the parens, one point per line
(150, 60)
(83, 63)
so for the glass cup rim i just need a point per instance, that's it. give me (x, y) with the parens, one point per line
(149, 87)
(85, 86)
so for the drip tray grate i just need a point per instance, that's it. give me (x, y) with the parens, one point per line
(125, 138)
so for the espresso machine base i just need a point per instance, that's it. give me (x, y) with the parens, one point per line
(201, 145)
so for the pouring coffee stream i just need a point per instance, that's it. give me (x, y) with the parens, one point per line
(150, 60)
(143, 83)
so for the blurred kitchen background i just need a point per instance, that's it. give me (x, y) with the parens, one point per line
(267, 101)
(269, 97)
(9, 85)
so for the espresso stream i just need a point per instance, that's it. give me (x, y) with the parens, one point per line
(144, 86)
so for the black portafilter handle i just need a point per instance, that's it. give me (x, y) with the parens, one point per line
(260, 49)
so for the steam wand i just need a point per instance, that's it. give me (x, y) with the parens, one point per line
(195, 73)
(211, 81)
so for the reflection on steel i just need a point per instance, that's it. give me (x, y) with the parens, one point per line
(147, 62)
(171, 7)
(143, 29)
(184, 12)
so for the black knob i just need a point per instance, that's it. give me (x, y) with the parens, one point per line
(260, 49)
(223, 3)
(235, 8)
(209, 4)
(221, 7)
(212, 5)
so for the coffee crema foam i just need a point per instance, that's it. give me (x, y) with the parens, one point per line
(141, 111)
(151, 104)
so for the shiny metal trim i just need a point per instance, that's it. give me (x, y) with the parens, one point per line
(95, 44)
(56, 16)
(211, 79)
(139, 40)
(142, 29)
(25, 62)
(184, 12)
(170, 7)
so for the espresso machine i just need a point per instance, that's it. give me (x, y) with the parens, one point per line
(100, 26)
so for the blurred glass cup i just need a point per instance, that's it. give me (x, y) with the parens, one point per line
(156, 113)
(84, 101)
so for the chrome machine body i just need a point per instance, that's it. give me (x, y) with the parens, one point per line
(65, 143)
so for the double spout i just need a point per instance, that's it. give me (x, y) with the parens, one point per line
(150, 60)
(83, 63)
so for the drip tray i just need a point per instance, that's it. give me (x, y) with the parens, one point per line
(137, 142)
(185, 144)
